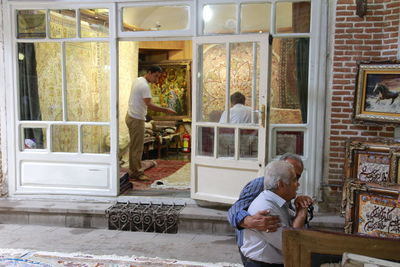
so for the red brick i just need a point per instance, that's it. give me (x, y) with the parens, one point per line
(358, 127)
(347, 110)
(363, 25)
(374, 18)
(362, 47)
(380, 36)
(357, 19)
(353, 30)
(349, 132)
(393, 4)
(340, 115)
(358, 42)
(373, 42)
(346, 13)
(373, 30)
(362, 36)
(369, 133)
(389, 129)
(383, 134)
(341, 2)
(372, 53)
(344, 25)
(344, 36)
(339, 126)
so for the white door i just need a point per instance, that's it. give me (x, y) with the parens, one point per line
(64, 140)
(227, 154)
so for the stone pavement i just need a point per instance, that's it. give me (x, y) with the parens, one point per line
(182, 246)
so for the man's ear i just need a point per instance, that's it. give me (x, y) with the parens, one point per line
(281, 184)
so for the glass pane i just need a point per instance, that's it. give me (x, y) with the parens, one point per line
(213, 82)
(39, 73)
(293, 17)
(205, 141)
(88, 81)
(248, 140)
(226, 142)
(34, 138)
(155, 18)
(221, 19)
(95, 139)
(243, 86)
(94, 22)
(289, 142)
(62, 23)
(289, 80)
(31, 24)
(64, 138)
(255, 18)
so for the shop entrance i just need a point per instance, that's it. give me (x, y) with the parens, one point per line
(166, 148)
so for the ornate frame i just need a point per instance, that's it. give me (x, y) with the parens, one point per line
(388, 148)
(372, 210)
(374, 102)
(175, 82)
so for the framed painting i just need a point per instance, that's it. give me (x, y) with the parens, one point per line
(304, 247)
(173, 89)
(377, 95)
(373, 211)
(372, 162)
(287, 140)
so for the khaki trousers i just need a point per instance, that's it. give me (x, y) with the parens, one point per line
(136, 135)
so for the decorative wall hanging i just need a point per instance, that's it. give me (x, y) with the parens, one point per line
(378, 93)
(372, 162)
(372, 210)
(173, 89)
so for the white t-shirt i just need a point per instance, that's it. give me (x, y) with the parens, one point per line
(137, 108)
(239, 114)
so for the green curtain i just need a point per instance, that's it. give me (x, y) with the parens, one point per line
(28, 91)
(302, 51)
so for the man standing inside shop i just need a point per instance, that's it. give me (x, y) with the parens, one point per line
(139, 102)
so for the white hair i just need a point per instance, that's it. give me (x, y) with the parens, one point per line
(276, 171)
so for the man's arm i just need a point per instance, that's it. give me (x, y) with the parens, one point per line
(239, 217)
(156, 108)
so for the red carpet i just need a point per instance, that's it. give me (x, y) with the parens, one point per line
(164, 168)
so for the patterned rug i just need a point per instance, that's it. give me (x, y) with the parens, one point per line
(25, 258)
(178, 180)
(162, 169)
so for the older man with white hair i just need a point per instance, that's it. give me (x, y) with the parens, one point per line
(280, 185)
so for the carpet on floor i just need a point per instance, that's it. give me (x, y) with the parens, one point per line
(178, 180)
(162, 169)
(29, 258)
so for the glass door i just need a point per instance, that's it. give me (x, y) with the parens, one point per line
(64, 86)
(230, 81)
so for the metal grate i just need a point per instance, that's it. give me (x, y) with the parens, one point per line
(160, 218)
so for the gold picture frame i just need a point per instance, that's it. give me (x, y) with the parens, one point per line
(173, 89)
(372, 210)
(378, 94)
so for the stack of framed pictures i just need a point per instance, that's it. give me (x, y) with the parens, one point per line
(371, 199)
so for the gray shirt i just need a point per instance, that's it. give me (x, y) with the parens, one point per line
(263, 246)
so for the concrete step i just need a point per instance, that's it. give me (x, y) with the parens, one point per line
(92, 214)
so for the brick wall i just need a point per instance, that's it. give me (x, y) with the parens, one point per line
(372, 38)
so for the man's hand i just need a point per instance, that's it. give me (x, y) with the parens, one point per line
(303, 202)
(261, 221)
(169, 111)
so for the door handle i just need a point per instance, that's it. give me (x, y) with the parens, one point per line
(263, 113)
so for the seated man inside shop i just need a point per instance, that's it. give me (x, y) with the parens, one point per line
(238, 113)
(262, 248)
(238, 215)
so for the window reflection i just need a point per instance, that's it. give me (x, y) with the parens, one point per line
(34, 138)
(64, 138)
(226, 142)
(293, 17)
(205, 141)
(248, 144)
(289, 80)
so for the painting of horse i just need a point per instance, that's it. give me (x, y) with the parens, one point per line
(377, 96)
(382, 94)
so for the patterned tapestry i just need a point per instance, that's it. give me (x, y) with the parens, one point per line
(214, 73)
(88, 86)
